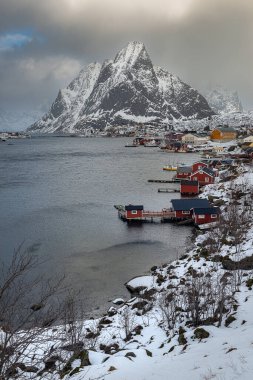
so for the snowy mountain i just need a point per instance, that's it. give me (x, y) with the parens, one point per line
(223, 101)
(124, 91)
(17, 120)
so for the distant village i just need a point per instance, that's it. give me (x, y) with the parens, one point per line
(219, 141)
(4, 136)
(222, 154)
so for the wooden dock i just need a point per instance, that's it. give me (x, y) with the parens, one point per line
(164, 215)
(163, 180)
(163, 190)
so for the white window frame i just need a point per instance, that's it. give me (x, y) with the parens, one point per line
(185, 212)
(134, 212)
(207, 179)
(201, 216)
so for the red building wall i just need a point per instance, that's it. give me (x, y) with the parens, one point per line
(207, 219)
(189, 189)
(133, 214)
(198, 165)
(183, 214)
(182, 175)
(203, 178)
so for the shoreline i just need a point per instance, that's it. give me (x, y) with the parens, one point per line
(197, 308)
(144, 290)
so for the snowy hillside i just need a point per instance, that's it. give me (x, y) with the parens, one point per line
(123, 91)
(223, 101)
(237, 120)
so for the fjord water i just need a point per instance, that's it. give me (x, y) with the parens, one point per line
(57, 197)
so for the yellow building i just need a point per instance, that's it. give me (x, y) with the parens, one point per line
(223, 134)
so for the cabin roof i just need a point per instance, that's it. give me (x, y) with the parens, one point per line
(184, 169)
(208, 171)
(199, 162)
(188, 204)
(225, 129)
(133, 207)
(206, 211)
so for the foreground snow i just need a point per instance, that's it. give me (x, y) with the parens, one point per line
(226, 354)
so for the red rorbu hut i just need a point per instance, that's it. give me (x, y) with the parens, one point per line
(204, 176)
(188, 187)
(183, 207)
(198, 165)
(183, 172)
(134, 212)
(205, 215)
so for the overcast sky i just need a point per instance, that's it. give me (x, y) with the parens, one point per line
(44, 43)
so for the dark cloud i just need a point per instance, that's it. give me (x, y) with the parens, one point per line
(202, 41)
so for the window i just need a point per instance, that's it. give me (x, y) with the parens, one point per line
(201, 216)
(206, 179)
(186, 212)
(213, 216)
(134, 212)
(195, 178)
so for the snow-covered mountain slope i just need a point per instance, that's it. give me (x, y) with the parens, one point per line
(238, 120)
(180, 98)
(65, 110)
(17, 120)
(223, 101)
(126, 90)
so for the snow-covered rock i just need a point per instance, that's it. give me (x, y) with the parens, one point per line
(124, 91)
(223, 101)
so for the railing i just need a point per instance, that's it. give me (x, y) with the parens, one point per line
(160, 214)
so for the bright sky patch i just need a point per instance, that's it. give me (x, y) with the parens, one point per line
(11, 41)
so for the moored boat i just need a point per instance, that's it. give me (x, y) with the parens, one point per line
(170, 168)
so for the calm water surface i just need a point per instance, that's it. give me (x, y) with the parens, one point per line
(57, 196)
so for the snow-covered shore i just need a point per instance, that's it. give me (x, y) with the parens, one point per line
(156, 350)
(189, 319)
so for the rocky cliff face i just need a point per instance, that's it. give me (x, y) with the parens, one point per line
(223, 101)
(126, 90)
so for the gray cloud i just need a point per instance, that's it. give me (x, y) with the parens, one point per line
(203, 42)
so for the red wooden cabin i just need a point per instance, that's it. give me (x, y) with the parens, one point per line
(205, 215)
(188, 187)
(183, 172)
(198, 165)
(183, 207)
(133, 211)
(204, 176)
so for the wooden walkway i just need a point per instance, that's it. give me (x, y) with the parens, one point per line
(159, 214)
(164, 180)
(147, 216)
(163, 190)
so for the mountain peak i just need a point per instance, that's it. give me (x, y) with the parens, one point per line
(130, 54)
(127, 90)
